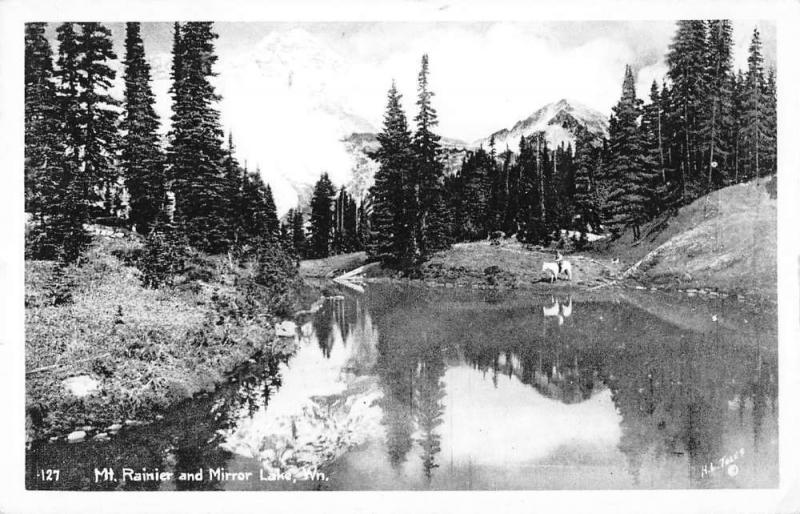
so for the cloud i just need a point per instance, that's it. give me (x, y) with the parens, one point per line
(291, 91)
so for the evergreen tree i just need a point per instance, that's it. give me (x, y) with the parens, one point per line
(271, 222)
(340, 237)
(754, 110)
(363, 229)
(322, 223)
(738, 130)
(585, 199)
(655, 185)
(99, 138)
(351, 225)
(475, 194)
(717, 121)
(68, 210)
(770, 159)
(687, 60)
(392, 234)
(533, 190)
(630, 171)
(298, 233)
(511, 192)
(235, 184)
(42, 126)
(427, 208)
(196, 153)
(47, 175)
(141, 160)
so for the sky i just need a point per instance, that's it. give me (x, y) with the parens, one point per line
(291, 91)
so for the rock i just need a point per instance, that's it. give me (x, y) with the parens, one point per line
(691, 291)
(53, 439)
(87, 428)
(102, 436)
(641, 288)
(286, 329)
(159, 417)
(115, 427)
(81, 385)
(691, 294)
(76, 436)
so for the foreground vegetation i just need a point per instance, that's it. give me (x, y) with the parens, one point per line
(148, 348)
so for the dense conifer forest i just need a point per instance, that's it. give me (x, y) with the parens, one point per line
(91, 158)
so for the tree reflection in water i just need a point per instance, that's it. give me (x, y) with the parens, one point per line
(681, 398)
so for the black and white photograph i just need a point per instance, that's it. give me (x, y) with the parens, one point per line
(291, 254)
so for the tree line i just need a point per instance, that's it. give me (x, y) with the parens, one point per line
(704, 127)
(92, 158)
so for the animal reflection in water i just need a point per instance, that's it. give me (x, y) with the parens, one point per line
(560, 310)
(554, 270)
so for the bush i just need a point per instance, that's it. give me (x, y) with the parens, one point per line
(164, 256)
(276, 272)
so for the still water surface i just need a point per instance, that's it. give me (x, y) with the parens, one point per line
(412, 388)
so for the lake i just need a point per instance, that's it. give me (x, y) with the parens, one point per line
(406, 387)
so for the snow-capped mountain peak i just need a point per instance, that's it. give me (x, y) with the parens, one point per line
(557, 120)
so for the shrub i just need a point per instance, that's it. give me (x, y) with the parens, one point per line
(276, 272)
(163, 257)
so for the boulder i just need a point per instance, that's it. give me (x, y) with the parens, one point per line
(286, 329)
(82, 385)
(76, 436)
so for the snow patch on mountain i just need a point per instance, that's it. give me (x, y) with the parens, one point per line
(557, 120)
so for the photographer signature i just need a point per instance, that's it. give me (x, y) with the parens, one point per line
(728, 462)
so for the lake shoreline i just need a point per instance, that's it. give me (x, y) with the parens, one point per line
(512, 265)
(104, 352)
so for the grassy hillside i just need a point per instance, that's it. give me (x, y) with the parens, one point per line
(726, 240)
(147, 348)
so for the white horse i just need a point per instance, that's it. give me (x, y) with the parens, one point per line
(565, 267)
(552, 269)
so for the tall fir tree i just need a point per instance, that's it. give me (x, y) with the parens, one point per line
(738, 129)
(630, 171)
(42, 146)
(717, 120)
(687, 69)
(195, 154)
(770, 159)
(652, 152)
(69, 209)
(142, 159)
(428, 209)
(272, 224)
(47, 172)
(99, 135)
(322, 223)
(392, 235)
(754, 110)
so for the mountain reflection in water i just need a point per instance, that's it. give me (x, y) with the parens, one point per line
(413, 388)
